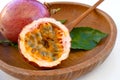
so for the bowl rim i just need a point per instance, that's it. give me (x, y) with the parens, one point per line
(73, 68)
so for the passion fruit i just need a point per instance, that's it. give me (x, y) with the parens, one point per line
(18, 13)
(45, 42)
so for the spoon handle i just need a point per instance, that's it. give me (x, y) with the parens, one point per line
(72, 24)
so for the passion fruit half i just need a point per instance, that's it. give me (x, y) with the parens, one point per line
(45, 42)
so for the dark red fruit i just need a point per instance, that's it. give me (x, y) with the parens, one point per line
(19, 13)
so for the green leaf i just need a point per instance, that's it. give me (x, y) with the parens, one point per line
(85, 38)
(63, 21)
(9, 43)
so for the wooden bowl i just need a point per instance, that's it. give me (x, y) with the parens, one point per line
(79, 61)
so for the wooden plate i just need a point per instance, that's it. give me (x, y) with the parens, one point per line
(79, 62)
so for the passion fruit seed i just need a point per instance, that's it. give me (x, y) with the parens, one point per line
(45, 41)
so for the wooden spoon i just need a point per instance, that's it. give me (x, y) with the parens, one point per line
(72, 24)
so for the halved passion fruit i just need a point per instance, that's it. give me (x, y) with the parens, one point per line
(45, 42)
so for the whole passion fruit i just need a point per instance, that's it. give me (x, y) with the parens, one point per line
(18, 13)
(45, 42)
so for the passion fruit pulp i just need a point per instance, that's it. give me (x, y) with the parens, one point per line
(46, 42)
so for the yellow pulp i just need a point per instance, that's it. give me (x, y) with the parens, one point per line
(45, 42)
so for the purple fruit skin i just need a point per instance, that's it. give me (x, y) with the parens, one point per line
(18, 13)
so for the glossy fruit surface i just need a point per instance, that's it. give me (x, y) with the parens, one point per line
(18, 13)
(45, 42)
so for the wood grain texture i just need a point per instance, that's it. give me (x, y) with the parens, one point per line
(79, 62)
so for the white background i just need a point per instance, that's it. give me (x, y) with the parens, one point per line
(110, 69)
